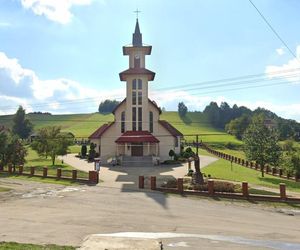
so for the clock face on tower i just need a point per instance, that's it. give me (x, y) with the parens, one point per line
(136, 56)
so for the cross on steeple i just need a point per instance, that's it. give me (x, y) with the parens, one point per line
(137, 11)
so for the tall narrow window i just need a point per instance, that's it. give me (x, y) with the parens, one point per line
(134, 119)
(133, 97)
(139, 98)
(140, 84)
(123, 122)
(151, 121)
(134, 84)
(137, 62)
(140, 123)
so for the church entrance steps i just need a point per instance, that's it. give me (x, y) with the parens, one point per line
(137, 161)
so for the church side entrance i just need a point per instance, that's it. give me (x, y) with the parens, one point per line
(136, 149)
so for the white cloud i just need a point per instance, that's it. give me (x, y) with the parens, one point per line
(4, 24)
(280, 51)
(55, 10)
(289, 71)
(21, 86)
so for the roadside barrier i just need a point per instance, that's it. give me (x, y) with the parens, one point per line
(92, 176)
(211, 192)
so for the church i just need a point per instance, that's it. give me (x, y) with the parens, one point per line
(137, 136)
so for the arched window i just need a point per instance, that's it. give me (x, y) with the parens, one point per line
(140, 83)
(151, 121)
(123, 122)
(134, 84)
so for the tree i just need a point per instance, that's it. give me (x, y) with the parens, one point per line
(52, 142)
(15, 151)
(21, 126)
(83, 150)
(182, 109)
(238, 126)
(171, 153)
(261, 143)
(92, 152)
(212, 112)
(3, 146)
(108, 106)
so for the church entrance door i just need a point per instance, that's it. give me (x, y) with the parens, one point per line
(137, 149)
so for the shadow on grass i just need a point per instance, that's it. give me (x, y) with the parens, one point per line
(186, 119)
(275, 181)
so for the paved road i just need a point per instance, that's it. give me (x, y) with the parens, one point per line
(127, 177)
(45, 213)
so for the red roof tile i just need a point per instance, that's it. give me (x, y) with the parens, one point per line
(173, 131)
(100, 131)
(137, 136)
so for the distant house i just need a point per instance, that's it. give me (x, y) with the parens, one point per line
(137, 134)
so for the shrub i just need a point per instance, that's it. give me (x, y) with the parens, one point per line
(170, 162)
(190, 173)
(230, 145)
(171, 153)
(172, 183)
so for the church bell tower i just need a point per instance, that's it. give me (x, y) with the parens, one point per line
(137, 78)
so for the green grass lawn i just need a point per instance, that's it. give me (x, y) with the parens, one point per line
(23, 246)
(33, 159)
(197, 123)
(221, 169)
(74, 149)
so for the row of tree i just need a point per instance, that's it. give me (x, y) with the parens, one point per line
(107, 106)
(48, 142)
(235, 120)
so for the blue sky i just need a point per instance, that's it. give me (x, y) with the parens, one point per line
(64, 56)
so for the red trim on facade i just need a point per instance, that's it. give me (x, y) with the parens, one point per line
(127, 49)
(100, 131)
(137, 71)
(173, 131)
(137, 136)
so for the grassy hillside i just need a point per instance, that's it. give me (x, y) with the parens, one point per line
(82, 125)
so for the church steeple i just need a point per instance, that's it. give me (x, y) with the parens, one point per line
(137, 36)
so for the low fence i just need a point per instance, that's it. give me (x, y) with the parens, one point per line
(249, 164)
(93, 176)
(245, 195)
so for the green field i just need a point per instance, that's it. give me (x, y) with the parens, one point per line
(23, 246)
(83, 125)
(221, 169)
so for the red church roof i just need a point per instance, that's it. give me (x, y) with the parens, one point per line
(152, 102)
(100, 131)
(173, 131)
(137, 136)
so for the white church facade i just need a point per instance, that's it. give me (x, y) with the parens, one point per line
(137, 134)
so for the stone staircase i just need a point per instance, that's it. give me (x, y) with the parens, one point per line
(137, 161)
